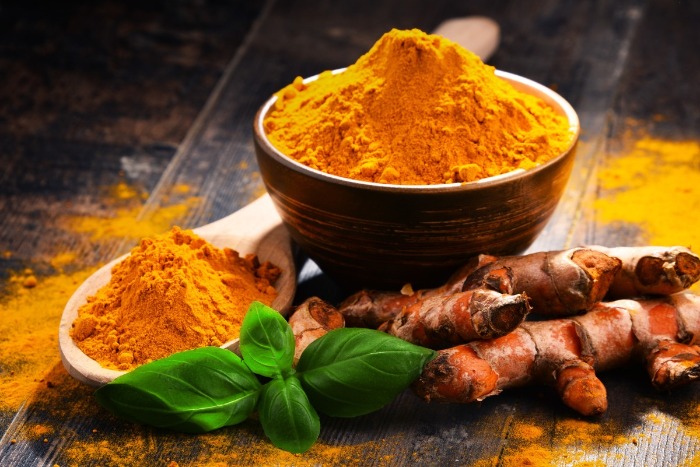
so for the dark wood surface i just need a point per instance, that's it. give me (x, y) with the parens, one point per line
(159, 95)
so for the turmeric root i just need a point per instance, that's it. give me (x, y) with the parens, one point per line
(441, 321)
(372, 308)
(558, 283)
(565, 353)
(312, 319)
(652, 270)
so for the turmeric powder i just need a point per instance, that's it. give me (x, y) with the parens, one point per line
(417, 109)
(173, 292)
(652, 185)
(30, 316)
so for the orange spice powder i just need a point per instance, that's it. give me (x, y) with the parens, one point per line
(173, 292)
(31, 304)
(652, 184)
(416, 109)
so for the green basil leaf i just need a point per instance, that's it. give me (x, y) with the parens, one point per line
(352, 371)
(287, 416)
(267, 342)
(194, 391)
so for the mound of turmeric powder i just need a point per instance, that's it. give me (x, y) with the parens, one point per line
(173, 292)
(416, 109)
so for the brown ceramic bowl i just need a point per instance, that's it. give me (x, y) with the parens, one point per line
(375, 235)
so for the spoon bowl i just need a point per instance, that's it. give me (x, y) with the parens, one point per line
(256, 228)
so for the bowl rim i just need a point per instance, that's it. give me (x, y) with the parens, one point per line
(520, 82)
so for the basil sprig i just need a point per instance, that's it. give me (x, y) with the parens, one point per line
(287, 416)
(346, 373)
(192, 391)
(267, 342)
(267, 345)
(352, 371)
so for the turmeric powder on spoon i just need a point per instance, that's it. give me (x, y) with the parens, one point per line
(417, 109)
(173, 292)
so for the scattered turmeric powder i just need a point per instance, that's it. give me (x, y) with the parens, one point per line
(126, 223)
(123, 191)
(123, 217)
(653, 184)
(580, 443)
(30, 281)
(529, 456)
(30, 316)
(527, 431)
(40, 431)
(173, 292)
(416, 109)
(28, 338)
(221, 449)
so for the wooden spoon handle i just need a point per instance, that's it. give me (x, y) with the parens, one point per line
(478, 34)
(254, 222)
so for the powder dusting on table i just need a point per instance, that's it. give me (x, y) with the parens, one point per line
(31, 315)
(123, 217)
(578, 442)
(654, 184)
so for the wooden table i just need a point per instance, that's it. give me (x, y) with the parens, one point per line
(124, 110)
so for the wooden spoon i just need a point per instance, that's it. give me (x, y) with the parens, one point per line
(477, 34)
(256, 228)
